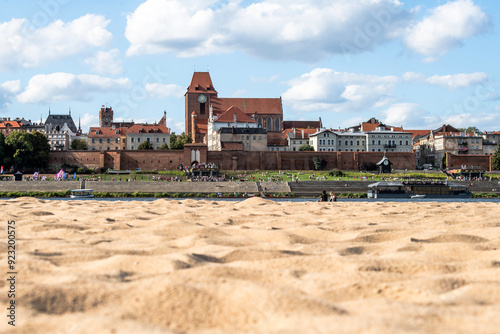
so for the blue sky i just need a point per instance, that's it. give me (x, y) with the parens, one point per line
(418, 64)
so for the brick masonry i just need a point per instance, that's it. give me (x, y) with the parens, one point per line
(226, 160)
(456, 161)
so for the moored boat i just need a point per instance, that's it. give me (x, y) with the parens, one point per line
(418, 189)
(82, 193)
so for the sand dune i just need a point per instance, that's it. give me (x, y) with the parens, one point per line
(254, 266)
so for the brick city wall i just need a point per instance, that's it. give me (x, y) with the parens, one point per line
(456, 161)
(227, 160)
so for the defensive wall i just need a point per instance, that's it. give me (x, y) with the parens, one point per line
(469, 161)
(226, 160)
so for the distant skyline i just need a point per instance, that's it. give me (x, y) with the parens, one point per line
(416, 64)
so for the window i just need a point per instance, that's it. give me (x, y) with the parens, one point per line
(163, 139)
(346, 143)
(269, 124)
(407, 142)
(340, 142)
(400, 142)
(351, 142)
(109, 140)
(254, 137)
(138, 139)
(260, 137)
(157, 140)
(117, 140)
(93, 140)
(132, 139)
(357, 142)
(100, 140)
(133, 147)
(248, 138)
(379, 144)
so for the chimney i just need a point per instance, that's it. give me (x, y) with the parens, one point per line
(294, 132)
(235, 118)
(302, 133)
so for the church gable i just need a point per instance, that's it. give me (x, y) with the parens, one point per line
(232, 113)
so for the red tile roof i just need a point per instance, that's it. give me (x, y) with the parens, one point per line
(372, 127)
(277, 139)
(148, 128)
(10, 124)
(267, 106)
(107, 132)
(298, 132)
(301, 124)
(228, 116)
(415, 133)
(201, 83)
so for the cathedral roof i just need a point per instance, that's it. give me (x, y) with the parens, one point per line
(229, 115)
(201, 83)
(249, 106)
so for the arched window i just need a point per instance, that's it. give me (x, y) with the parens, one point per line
(269, 124)
(277, 124)
(260, 122)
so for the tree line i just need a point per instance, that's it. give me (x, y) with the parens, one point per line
(24, 151)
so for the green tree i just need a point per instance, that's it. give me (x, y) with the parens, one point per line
(471, 129)
(306, 147)
(79, 145)
(164, 147)
(145, 145)
(29, 150)
(319, 163)
(178, 142)
(496, 159)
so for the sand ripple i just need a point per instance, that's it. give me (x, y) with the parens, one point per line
(254, 266)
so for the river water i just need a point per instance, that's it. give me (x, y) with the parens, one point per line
(148, 199)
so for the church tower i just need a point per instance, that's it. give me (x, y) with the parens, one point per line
(105, 116)
(198, 98)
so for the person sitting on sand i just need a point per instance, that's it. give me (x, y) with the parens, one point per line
(333, 198)
(323, 197)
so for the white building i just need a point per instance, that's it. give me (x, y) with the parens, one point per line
(380, 140)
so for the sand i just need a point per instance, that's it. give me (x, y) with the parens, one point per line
(253, 266)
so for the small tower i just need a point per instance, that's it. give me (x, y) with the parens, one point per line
(105, 116)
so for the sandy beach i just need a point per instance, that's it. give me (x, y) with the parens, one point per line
(254, 266)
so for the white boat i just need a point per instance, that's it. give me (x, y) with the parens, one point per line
(417, 196)
(82, 193)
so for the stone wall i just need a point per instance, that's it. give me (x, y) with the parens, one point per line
(226, 160)
(469, 161)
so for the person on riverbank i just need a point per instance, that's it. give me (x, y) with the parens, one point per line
(323, 197)
(333, 198)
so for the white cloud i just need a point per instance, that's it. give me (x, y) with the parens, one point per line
(106, 62)
(455, 81)
(277, 29)
(446, 28)
(89, 120)
(324, 89)
(24, 48)
(60, 86)
(403, 113)
(8, 90)
(161, 91)
(450, 81)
